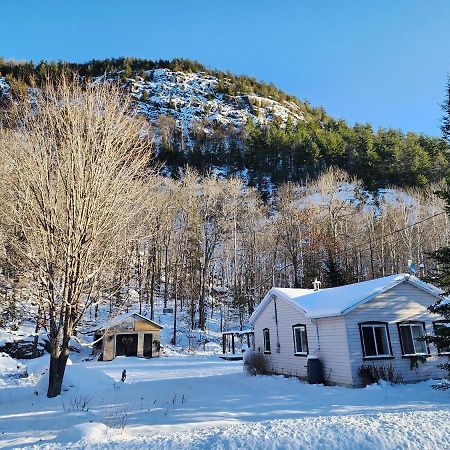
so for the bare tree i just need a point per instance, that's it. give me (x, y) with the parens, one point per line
(77, 159)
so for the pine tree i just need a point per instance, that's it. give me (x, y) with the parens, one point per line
(441, 275)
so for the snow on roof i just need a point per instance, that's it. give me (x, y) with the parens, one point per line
(120, 318)
(340, 300)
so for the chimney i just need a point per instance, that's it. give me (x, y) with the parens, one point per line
(316, 284)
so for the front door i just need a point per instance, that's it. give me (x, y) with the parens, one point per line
(148, 344)
(126, 344)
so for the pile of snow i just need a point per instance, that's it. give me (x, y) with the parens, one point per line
(11, 368)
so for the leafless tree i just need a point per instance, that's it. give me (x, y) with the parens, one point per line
(76, 162)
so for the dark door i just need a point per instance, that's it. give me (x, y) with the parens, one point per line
(126, 344)
(148, 345)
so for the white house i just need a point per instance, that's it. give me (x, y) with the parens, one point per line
(374, 322)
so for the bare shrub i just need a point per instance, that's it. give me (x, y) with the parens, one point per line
(78, 403)
(116, 419)
(254, 363)
(370, 374)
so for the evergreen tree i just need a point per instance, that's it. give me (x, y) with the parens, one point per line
(441, 275)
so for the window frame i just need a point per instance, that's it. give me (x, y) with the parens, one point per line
(265, 340)
(372, 324)
(300, 326)
(410, 323)
(441, 322)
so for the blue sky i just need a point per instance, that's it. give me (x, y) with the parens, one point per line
(383, 62)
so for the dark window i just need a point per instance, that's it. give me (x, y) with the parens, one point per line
(300, 340)
(375, 339)
(410, 338)
(266, 335)
(442, 329)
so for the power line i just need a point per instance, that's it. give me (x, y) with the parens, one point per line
(398, 230)
(286, 266)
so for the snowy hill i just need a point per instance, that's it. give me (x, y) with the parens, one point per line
(196, 100)
(193, 98)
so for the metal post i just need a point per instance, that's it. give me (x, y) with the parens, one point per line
(224, 343)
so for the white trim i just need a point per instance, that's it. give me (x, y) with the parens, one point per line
(432, 290)
(371, 296)
(300, 327)
(413, 339)
(384, 326)
(273, 292)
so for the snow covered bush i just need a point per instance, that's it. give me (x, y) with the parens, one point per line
(78, 403)
(254, 362)
(370, 374)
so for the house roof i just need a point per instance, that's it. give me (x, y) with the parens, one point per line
(340, 300)
(120, 318)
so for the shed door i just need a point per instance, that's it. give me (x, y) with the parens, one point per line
(126, 344)
(148, 339)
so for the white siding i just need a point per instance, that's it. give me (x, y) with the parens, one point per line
(403, 302)
(333, 350)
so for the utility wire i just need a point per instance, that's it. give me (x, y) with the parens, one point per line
(367, 243)
(397, 231)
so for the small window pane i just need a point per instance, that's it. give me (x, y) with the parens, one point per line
(381, 339)
(369, 342)
(304, 342)
(417, 332)
(407, 340)
(300, 340)
(266, 336)
(443, 329)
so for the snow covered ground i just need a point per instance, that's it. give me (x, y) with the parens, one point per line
(203, 402)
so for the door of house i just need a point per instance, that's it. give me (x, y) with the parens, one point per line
(148, 345)
(126, 344)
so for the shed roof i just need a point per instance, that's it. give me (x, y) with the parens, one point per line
(113, 322)
(341, 300)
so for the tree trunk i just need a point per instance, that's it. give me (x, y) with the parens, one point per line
(58, 361)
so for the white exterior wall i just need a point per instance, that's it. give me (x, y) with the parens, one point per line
(334, 352)
(331, 332)
(401, 303)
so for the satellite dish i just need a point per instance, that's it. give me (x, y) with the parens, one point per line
(412, 269)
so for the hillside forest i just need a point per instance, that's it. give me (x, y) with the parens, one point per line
(265, 154)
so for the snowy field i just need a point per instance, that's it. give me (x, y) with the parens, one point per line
(203, 402)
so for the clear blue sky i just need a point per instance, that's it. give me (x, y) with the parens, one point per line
(383, 62)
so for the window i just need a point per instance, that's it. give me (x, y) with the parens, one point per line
(442, 329)
(375, 340)
(266, 336)
(300, 340)
(410, 334)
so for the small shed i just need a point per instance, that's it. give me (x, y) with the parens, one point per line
(129, 334)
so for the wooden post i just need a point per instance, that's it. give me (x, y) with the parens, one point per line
(224, 343)
(232, 344)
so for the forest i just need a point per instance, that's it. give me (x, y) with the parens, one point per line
(265, 155)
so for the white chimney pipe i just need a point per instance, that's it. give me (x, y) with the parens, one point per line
(316, 284)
